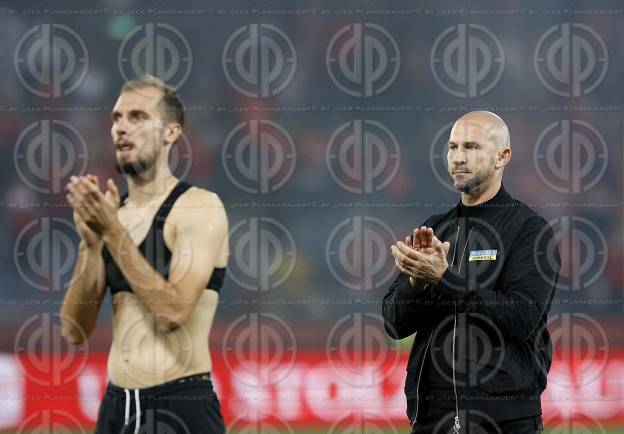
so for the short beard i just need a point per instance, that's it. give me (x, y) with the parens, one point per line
(134, 168)
(473, 183)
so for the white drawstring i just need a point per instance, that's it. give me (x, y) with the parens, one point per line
(137, 403)
(137, 406)
(127, 416)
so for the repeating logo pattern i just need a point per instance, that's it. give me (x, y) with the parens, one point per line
(51, 60)
(158, 49)
(45, 253)
(363, 59)
(571, 156)
(259, 349)
(47, 153)
(467, 60)
(357, 253)
(259, 156)
(571, 59)
(363, 156)
(46, 358)
(358, 350)
(264, 254)
(583, 249)
(259, 60)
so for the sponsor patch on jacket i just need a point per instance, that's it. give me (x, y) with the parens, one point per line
(482, 255)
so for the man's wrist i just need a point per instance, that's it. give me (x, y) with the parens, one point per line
(420, 285)
(113, 234)
(92, 249)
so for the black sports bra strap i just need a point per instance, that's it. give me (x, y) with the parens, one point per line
(165, 208)
(177, 191)
(122, 199)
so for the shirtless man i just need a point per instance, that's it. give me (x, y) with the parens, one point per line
(162, 250)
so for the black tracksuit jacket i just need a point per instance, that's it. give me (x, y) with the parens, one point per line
(493, 306)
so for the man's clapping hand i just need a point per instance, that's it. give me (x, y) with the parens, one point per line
(421, 256)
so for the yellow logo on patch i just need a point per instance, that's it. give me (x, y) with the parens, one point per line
(482, 255)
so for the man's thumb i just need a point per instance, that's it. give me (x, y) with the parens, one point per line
(446, 246)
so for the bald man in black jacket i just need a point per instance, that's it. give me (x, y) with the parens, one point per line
(478, 302)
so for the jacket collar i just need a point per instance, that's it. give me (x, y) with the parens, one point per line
(501, 199)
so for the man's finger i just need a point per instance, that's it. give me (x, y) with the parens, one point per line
(80, 186)
(114, 191)
(94, 179)
(406, 250)
(429, 237)
(423, 237)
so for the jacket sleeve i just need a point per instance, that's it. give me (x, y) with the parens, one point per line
(406, 309)
(529, 279)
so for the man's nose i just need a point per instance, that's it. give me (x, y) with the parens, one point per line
(120, 127)
(459, 157)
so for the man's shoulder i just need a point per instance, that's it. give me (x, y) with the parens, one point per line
(198, 196)
(198, 203)
(527, 214)
(529, 221)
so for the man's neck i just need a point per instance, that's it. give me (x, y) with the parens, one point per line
(480, 196)
(150, 185)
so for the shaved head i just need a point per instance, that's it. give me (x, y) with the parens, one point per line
(479, 149)
(491, 123)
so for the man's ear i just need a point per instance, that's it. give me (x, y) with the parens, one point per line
(503, 157)
(173, 131)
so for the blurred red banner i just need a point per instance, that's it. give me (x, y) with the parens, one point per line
(303, 389)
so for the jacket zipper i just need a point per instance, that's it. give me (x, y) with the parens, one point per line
(457, 426)
(422, 363)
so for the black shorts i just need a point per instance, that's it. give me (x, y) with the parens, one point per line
(186, 405)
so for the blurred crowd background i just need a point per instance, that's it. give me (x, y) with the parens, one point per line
(304, 214)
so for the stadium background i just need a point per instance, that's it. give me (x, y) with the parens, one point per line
(322, 127)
